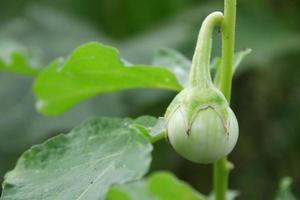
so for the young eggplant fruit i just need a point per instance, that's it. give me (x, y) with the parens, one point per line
(201, 126)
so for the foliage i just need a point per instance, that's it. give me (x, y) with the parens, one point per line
(284, 191)
(94, 69)
(35, 32)
(158, 186)
(82, 164)
(17, 59)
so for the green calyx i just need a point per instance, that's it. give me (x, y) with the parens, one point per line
(194, 99)
(200, 124)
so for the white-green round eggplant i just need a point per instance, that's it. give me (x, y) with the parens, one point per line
(201, 128)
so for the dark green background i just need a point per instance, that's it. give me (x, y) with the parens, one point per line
(266, 89)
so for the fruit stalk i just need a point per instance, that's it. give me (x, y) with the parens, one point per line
(200, 72)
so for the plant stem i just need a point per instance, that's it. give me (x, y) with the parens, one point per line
(157, 137)
(221, 174)
(222, 167)
(228, 40)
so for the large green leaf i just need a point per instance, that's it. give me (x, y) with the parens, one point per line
(90, 70)
(159, 186)
(81, 164)
(17, 59)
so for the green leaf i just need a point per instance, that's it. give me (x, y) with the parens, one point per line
(239, 57)
(82, 164)
(175, 62)
(132, 191)
(17, 59)
(159, 186)
(284, 191)
(94, 69)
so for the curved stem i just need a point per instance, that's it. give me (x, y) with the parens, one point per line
(222, 167)
(200, 73)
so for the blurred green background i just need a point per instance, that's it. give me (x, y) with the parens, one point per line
(266, 89)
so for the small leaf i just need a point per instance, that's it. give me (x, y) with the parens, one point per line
(284, 191)
(82, 164)
(175, 62)
(17, 59)
(180, 65)
(238, 58)
(94, 69)
(159, 186)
